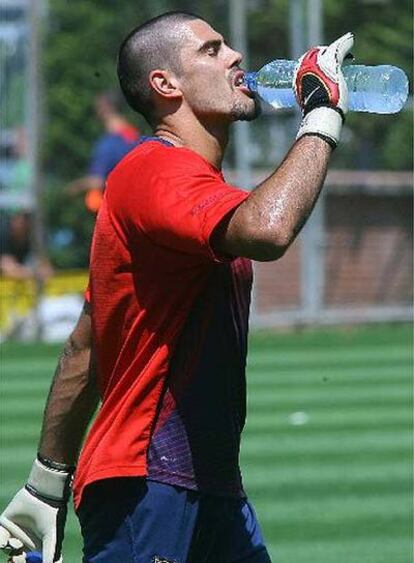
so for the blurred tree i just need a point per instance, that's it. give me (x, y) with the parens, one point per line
(384, 31)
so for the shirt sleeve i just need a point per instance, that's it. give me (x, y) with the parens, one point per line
(182, 202)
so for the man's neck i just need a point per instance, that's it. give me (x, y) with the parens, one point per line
(209, 141)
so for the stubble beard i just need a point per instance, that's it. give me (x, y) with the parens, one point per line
(240, 110)
(246, 112)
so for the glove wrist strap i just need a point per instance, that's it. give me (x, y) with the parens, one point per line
(323, 121)
(49, 483)
(56, 465)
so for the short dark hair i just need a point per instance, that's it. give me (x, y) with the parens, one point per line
(149, 46)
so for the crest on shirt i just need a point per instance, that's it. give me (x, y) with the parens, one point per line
(158, 559)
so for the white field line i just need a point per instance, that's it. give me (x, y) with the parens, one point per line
(279, 376)
(256, 356)
(272, 421)
(276, 446)
(276, 426)
(378, 417)
(336, 355)
(295, 400)
(369, 377)
(12, 406)
(275, 479)
(254, 475)
(327, 509)
(260, 398)
(265, 377)
(332, 388)
(394, 548)
(28, 365)
(23, 386)
(294, 442)
(21, 431)
(263, 398)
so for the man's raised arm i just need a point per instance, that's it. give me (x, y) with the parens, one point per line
(267, 222)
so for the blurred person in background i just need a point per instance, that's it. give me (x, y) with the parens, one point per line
(16, 257)
(119, 138)
(162, 339)
(17, 260)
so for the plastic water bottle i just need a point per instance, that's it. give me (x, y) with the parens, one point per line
(375, 89)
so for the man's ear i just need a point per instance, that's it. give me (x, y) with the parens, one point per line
(165, 84)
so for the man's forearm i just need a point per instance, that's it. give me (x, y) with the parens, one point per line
(264, 226)
(72, 398)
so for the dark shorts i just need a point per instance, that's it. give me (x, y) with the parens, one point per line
(132, 520)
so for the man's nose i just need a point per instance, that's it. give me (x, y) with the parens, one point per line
(235, 57)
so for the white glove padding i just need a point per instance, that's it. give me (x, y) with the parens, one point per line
(36, 516)
(321, 90)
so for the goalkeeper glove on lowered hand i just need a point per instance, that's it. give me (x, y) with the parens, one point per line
(321, 90)
(36, 516)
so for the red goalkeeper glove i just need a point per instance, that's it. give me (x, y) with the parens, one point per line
(321, 90)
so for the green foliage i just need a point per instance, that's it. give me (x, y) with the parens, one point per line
(383, 34)
(397, 146)
(269, 33)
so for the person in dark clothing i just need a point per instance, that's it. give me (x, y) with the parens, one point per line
(118, 139)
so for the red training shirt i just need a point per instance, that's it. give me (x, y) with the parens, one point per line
(169, 321)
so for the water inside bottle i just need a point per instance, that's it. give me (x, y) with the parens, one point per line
(382, 89)
(279, 98)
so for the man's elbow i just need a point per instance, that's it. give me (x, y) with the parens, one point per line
(269, 237)
(262, 244)
(269, 249)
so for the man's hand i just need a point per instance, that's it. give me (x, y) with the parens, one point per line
(36, 516)
(321, 90)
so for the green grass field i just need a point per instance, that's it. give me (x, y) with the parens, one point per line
(332, 484)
